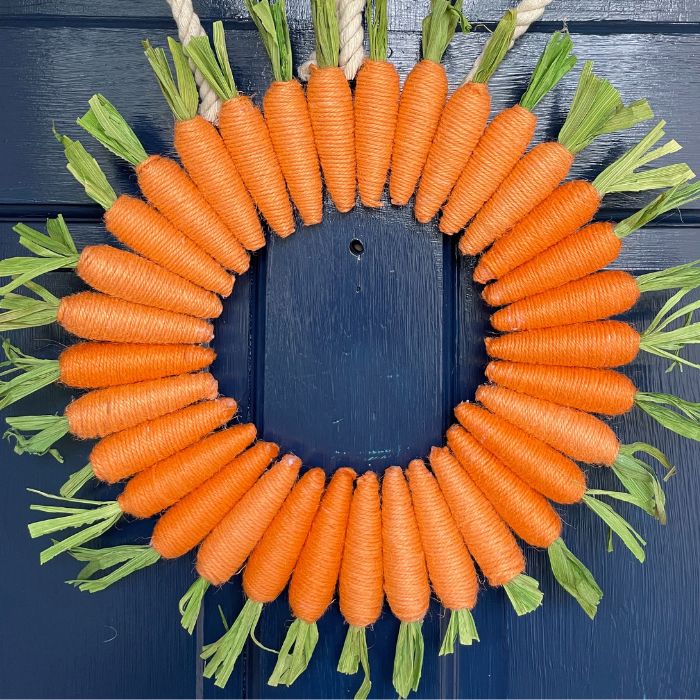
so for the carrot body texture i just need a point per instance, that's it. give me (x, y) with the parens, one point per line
(466, 114)
(592, 390)
(591, 298)
(596, 344)
(99, 317)
(127, 276)
(332, 118)
(422, 101)
(211, 168)
(289, 123)
(377, 93)
(104, 411)
(577, 434)
(166, 482)
(148, 232)
(96, 365)
(190, 520)
(129, 451)
(500, 147)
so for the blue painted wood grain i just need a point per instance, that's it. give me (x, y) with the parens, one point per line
(346, 360)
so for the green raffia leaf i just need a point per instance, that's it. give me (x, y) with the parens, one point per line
(496, 47)
(678, 415)
(26, 312)
(25, 269)
(76, 481)
(554, 63)
(34, 374)
(295, 654)
(524, 594)
(629, 536)
(215, 67)
(223, 654)
(686, 276)
(377, 29)
(574, 577)
(408, 659)
(353, 656)
(628, 116)
(85, 169)
(666, 201)
(48, 431)
(325, 23)
(191, 603)
(460, 627)
(271, 20)
(439, 27)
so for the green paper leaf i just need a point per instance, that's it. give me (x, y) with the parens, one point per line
(32, 374)
(574, 577)
(461, 626)
(524, 594)
(271, 20)
(496, 47)
(325, 23)
(377, 29)
(629, 536)
(439, 27)
(48, 431)
(408, 659)
(215, 67)
(191, 603)
(295, 654)
(353, 656)
(76, 481)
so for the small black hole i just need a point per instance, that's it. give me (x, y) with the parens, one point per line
(356, 247)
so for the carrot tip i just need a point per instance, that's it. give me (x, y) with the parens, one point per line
(482, 274)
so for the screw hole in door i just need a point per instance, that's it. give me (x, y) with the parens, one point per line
(357, 247)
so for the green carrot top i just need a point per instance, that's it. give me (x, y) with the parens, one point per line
(213, 64)
(377, 29)
(496, 47)
(270, 17)
(439, 27)
(325, 21)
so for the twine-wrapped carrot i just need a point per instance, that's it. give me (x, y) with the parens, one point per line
(287, 114)
(106, 269)
(142, 228)
(314, 579)
(405, 579)
(201, 149)
(181, 528)
(505, 139)
(267, 572)
(166, 186)
(377, 92)
(245, 133)
(583, 252)
(488, 538)
(361, 581)
(596, 109)
(331, 109)
(148, 493)
(96, 316)
(423, 99)
(450, 566)
(97, 365)
(466, 114)
(574, 204)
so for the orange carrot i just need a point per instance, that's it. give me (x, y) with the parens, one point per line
(314, 579)
(450, 566)
(505, 139)
(142, 228)
(166, 186)
(422, 101)
(202, 151)
(575, 433)
(245, 133)
(538, 173)
(465, 114)
(573, 204)
(560, 480)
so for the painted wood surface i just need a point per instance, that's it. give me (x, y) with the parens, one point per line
(345, 359)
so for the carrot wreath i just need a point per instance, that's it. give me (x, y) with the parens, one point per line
(450, 566)
(331, 109)
(405, 579)
(142, 228)
(201, 149)
(314, 579)
(287, 114)
(267, 572)
(150, 492)
(361, 581)
(574, 204)
(586, 251)
(466, 114)
(487, 537)
(182, 527)
(245, 133)
(596, 109)
(377, 93)
(423, 99)
(106, 269)
(166, 186)
(505, 139)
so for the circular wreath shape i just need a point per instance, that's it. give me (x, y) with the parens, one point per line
(217, 486)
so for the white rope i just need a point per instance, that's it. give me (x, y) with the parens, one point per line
(529, 11)
(188, 26)
(352, 36)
